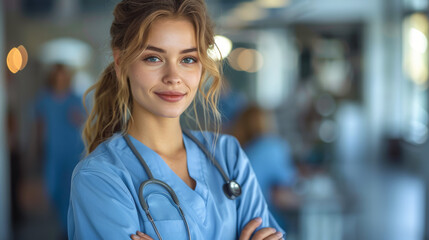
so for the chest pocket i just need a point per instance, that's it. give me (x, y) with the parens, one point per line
(166, 216)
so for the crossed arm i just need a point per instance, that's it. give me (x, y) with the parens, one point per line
(263, 234)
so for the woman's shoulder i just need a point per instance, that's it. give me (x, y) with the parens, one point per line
(106, 159)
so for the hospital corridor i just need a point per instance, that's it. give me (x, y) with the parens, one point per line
(324, 104)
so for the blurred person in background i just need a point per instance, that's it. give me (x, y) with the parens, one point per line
(270, 157)
(60, 114)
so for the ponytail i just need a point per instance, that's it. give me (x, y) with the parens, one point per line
(110, 110)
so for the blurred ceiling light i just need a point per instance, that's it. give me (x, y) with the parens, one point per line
(250, 60)
(250, 11)
(273, 3)
(17, 59)
(418, 40)
(233, 58)
(415, 38)
(224, 46)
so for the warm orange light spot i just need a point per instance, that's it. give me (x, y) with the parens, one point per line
(24, 56)
(14, 60)
(17, 59)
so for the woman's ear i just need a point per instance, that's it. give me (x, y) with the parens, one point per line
(116, 56)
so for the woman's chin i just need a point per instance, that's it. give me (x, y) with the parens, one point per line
(171, 114)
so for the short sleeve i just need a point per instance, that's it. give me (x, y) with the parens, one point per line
(251, 203)
(100, 208)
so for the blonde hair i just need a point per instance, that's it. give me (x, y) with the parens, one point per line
(113, 103)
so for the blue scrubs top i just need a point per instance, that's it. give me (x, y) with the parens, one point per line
(105, 204)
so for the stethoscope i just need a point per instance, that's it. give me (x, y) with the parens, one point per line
(231, 188)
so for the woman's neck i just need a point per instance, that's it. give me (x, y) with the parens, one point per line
(163, 135)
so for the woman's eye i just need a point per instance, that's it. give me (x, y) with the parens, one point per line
(152, 59)
(189, 60)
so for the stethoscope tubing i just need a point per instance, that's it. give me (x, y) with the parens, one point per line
(152, 180)
(146, 207)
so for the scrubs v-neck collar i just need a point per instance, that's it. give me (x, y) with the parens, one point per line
(191, 200)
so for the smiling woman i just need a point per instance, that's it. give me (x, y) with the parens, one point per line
(165, 79)
(144, 176)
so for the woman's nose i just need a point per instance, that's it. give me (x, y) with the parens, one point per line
(172, 75)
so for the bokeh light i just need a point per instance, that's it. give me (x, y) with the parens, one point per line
(24, 56)
(416, 30)
(250, 60)
(273, 3)
(224, 46)
(17, 59)
(14, 60)
(233, 58)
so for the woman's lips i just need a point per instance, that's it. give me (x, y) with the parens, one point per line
(170, 96)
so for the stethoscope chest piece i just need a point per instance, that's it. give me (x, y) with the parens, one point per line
(232, 189)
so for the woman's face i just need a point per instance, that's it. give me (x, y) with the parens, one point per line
(166, 76)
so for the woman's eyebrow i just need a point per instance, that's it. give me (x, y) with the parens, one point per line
(156, 49)
(189, 50)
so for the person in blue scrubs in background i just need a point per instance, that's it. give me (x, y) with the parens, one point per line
(270, 156)
(59, 114)
(160, 64)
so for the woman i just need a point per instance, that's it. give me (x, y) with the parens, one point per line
(134, 136)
